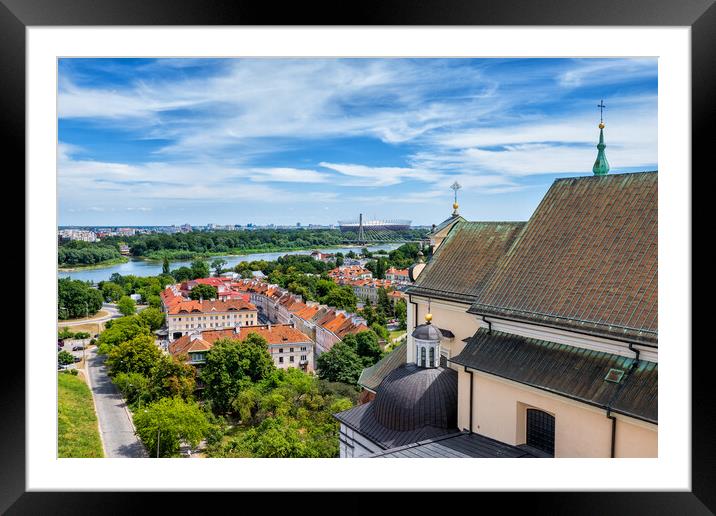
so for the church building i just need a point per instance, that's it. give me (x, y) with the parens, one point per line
(528, 339)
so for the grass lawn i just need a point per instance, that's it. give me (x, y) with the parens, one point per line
(396, 333)
(100, 313)
(91, 328)
(77, 429)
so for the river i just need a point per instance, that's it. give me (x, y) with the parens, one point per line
(154, 268)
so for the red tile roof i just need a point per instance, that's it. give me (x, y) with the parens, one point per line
(274, 334)
(188, 306)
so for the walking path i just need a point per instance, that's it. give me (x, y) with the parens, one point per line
(115, 423)
(110, 312)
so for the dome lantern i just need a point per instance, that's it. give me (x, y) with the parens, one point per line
(426, 338)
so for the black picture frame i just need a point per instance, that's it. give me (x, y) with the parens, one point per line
(699, 15)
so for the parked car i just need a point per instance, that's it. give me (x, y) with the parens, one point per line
(60, 342)
(77, 359)
(77, 348)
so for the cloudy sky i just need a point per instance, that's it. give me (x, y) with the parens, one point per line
(169, 141)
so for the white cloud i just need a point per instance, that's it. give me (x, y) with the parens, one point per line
(287, 175)
(486, 129)
(376, 176)
(599, 72)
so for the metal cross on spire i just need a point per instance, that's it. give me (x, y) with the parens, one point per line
(455, 187)
(601, 107)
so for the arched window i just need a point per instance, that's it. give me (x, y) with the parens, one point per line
(540, 430)
(422, 356)
(432, 357)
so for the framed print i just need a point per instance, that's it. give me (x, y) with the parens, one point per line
(428, 232)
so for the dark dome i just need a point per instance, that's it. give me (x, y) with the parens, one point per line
(426, 332)
(412, 397)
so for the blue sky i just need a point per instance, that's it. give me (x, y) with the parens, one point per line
(169, 141)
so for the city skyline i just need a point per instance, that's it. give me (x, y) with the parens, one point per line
(281, 141)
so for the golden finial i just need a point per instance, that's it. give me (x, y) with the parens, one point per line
(428, 318)
(455, 187)
(601, 125)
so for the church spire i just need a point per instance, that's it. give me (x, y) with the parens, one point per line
(601, 165)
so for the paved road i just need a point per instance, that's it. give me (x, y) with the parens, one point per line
(115, 424)
(113, 314)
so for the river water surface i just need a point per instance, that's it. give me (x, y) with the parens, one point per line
(154, 268)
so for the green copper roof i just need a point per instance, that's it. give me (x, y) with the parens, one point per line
(601, 165)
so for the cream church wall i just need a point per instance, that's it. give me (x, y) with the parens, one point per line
(449, 316)
(581, 430)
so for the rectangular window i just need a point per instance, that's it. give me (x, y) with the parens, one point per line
(280, 350)
(290, 350)
(280, 360)
(290, 359)
(303, 357)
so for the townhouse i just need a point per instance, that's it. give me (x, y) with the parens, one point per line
(287, 346)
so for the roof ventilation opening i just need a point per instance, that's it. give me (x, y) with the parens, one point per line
(614, 375)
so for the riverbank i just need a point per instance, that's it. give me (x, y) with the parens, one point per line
(100, 265)
(144, 267)
(179, 256)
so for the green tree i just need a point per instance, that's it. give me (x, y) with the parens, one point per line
(289, 413)
(126, 306)
(340, 364)
(65, 333)
(341, 297)
(64, 357)
(167, 423)
(230, 366)
(139, 355)
(121, 330)
(77, 299)
(218, 265)
(111, 291)
(182, 274)
(199, 269)
(380, 268)
(155, 302)
(367, 346)
(384, 302)
(133, 386)
(274, 438)
(165, 265)
(203, 292)
(152, 317)
(401, 313)
(368, 313)
(172, 377)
